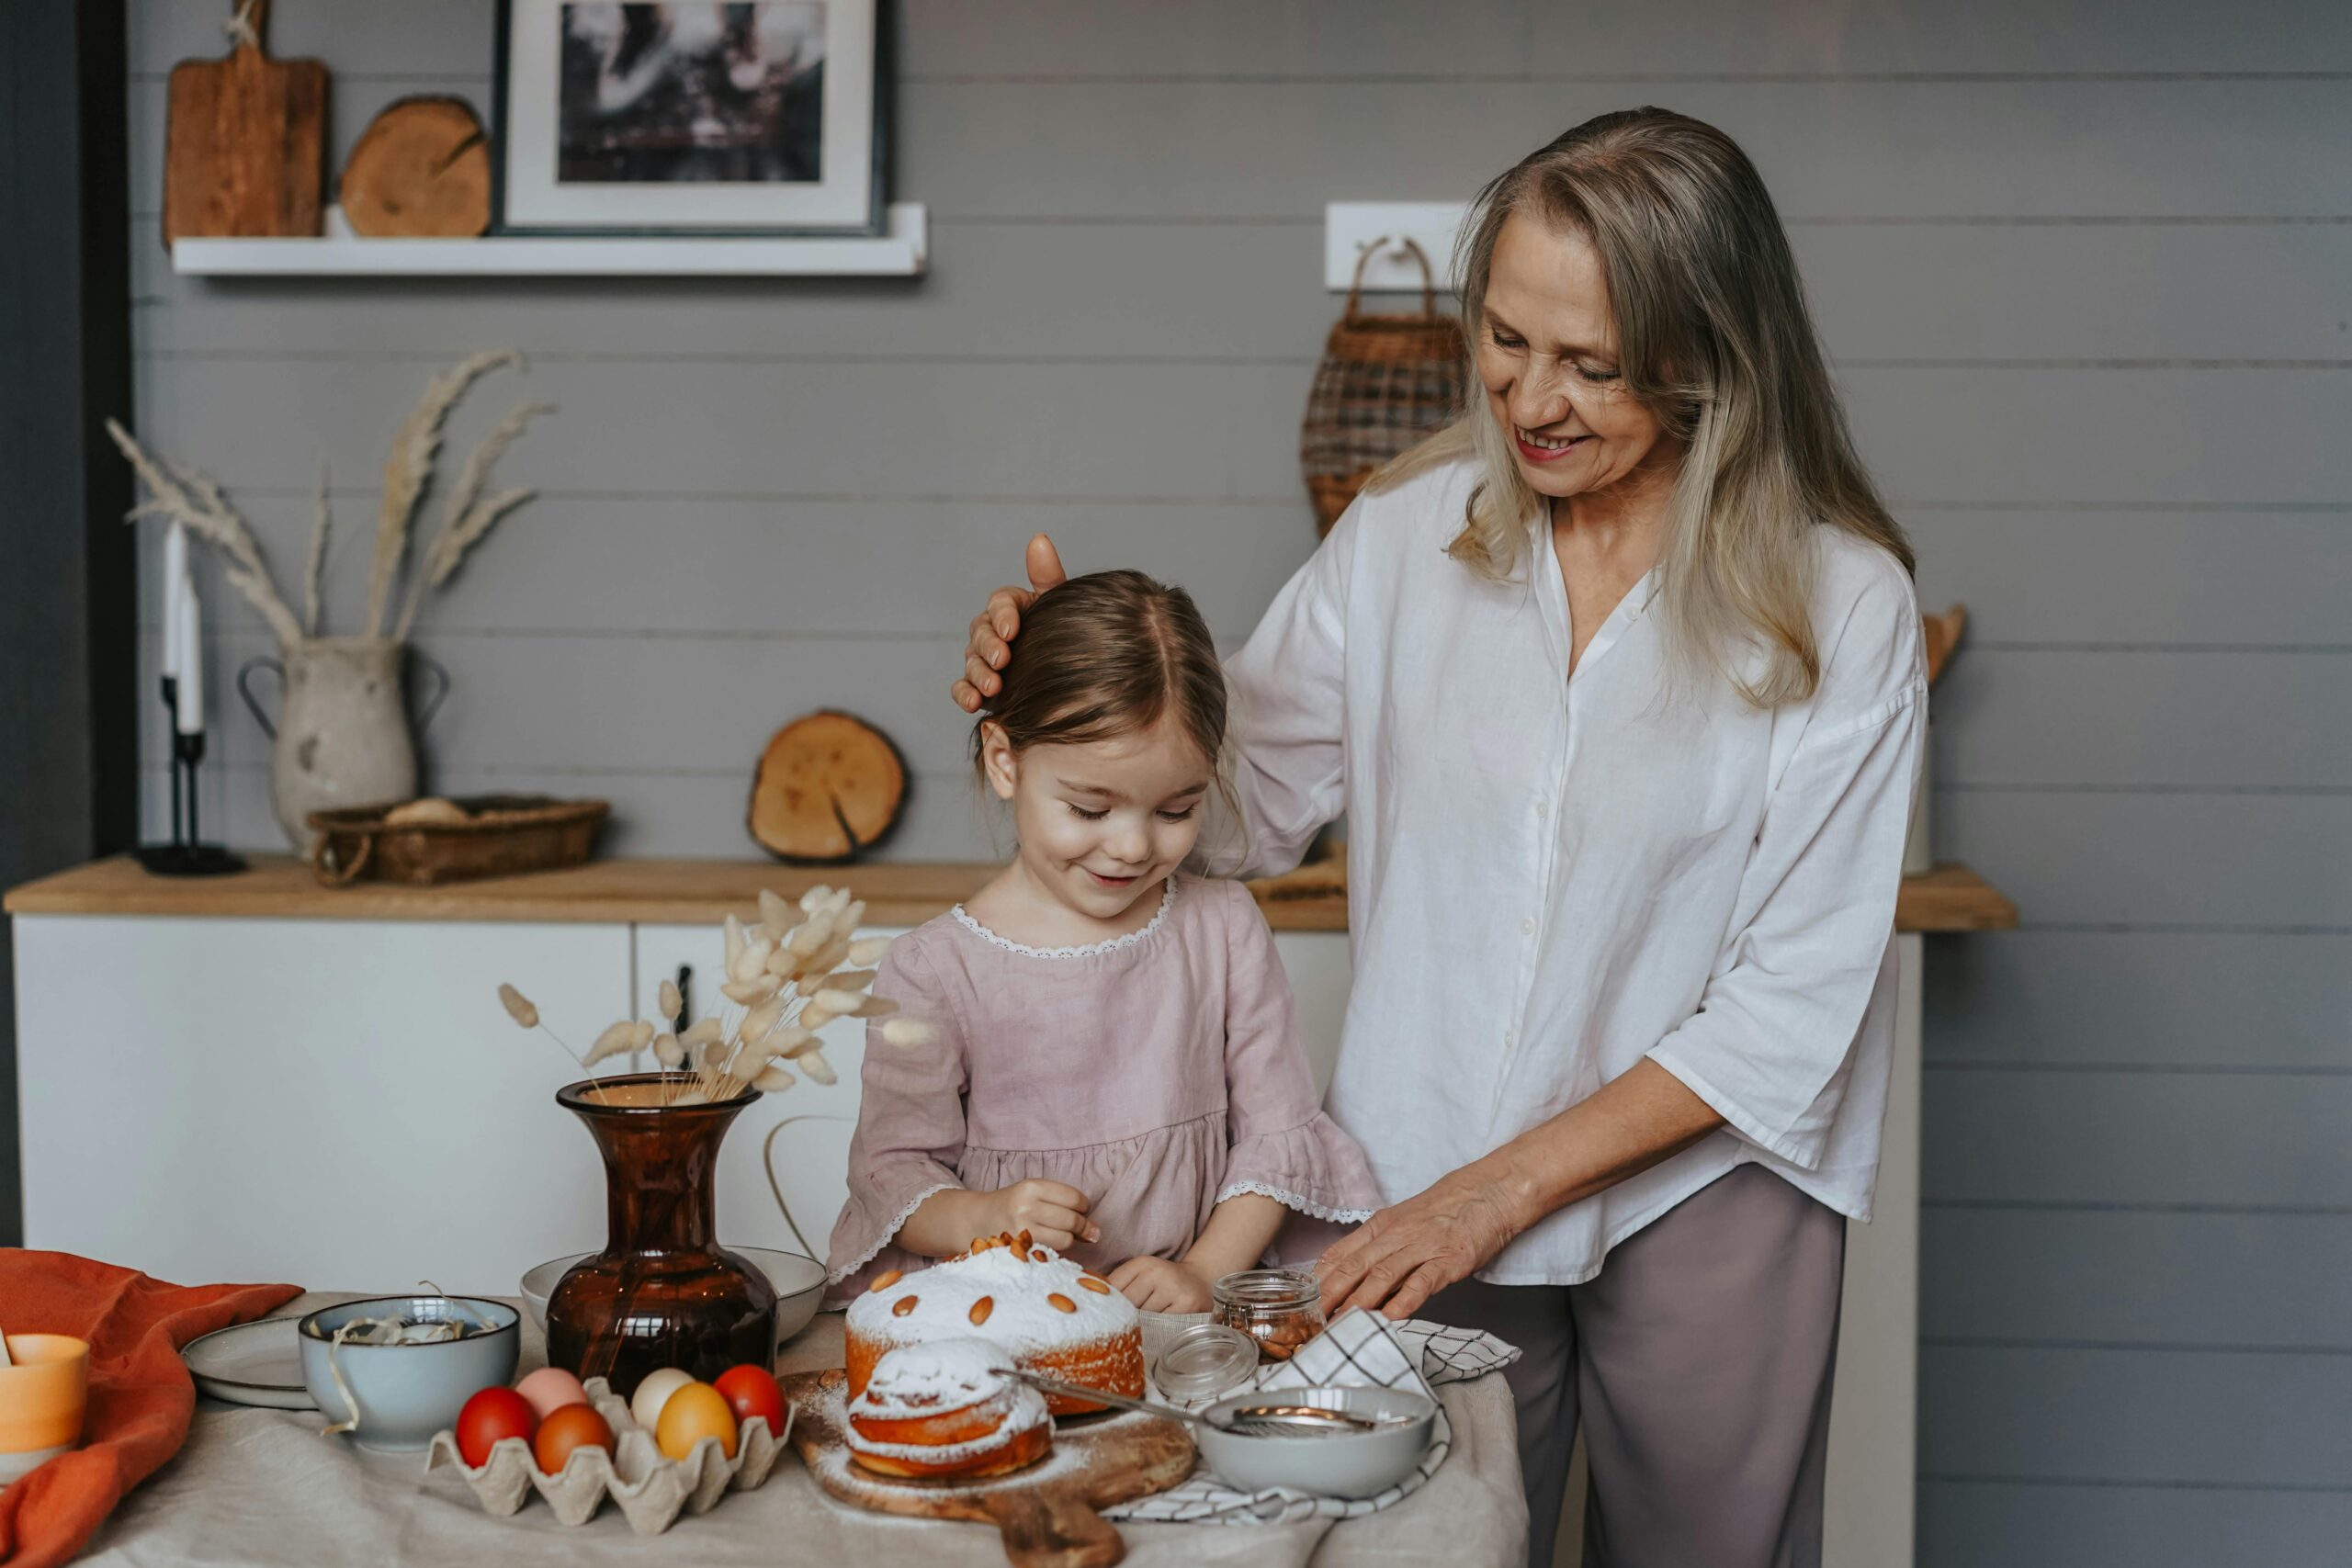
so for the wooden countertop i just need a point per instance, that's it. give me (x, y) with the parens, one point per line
(701, 892)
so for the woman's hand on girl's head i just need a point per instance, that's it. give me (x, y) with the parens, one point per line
(1053, 1215)
(1159, 1284)
(994, 628)
(1405, 1254)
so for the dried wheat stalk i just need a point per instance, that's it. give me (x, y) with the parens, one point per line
(197, 503)
(409, 469)
(314, 574)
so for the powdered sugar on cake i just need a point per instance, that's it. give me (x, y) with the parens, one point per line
(942, 1375)
(1037, 1302)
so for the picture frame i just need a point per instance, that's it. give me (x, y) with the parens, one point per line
(621, 117)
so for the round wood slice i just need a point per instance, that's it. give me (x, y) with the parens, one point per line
(829, 786)
(421, 169)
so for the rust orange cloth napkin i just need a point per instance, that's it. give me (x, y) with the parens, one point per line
(140, 1395)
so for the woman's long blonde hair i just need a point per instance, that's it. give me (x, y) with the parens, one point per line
(1714, 338)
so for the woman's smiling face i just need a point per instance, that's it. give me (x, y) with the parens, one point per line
(1547, 356)
(1103, 823)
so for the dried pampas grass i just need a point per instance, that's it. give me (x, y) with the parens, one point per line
(196, 504)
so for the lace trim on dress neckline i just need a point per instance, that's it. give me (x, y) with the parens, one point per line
(1091, 950)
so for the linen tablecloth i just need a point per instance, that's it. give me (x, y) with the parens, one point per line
(262, 1488)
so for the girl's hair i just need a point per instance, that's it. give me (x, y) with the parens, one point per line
(1107, 655)
(1714, 337)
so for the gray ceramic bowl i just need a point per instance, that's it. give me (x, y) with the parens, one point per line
(407, 1392)
(799, 1283)
(1348, 1464)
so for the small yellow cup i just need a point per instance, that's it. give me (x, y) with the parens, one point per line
(42, 1398)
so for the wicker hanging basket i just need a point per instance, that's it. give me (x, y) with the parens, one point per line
(1385, 383)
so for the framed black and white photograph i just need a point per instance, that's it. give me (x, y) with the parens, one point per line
(620, 116)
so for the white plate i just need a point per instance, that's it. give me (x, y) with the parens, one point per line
(251, 1363)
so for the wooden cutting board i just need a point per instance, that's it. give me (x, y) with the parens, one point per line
(1045, 1513)
(245, 146)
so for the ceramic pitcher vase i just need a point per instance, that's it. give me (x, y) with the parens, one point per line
(341, 735)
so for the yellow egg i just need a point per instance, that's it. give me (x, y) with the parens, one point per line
(645, 1405)
(695, 1412)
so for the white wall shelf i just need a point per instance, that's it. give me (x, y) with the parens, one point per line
(902, 252)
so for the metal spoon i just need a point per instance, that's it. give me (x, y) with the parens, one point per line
(1250, 1421)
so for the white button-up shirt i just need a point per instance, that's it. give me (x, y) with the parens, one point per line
(1550, 878)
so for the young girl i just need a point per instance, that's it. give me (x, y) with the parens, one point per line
(1116, 1069)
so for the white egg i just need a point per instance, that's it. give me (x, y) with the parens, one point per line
(645, 1405)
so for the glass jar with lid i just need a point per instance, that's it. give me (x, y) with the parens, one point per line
(1281, 1309)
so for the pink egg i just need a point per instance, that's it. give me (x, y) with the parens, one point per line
(551, 1388)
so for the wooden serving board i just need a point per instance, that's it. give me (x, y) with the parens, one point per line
(1045, 1513)
(245, 143)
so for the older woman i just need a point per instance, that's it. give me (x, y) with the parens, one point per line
(1618, 682)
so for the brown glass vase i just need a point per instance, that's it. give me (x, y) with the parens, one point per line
(663, 1293)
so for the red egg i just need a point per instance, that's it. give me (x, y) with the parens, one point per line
(752, 1393)
(489, 1417)
(572, 1427)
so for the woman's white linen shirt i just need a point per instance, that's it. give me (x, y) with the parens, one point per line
(1551, 878)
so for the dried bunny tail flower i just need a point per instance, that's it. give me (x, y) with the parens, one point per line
(809, 938)
(760, 1021)
(792, 1040)
(874, 1007)
(731, 931)
(673, 1004)
(518, 1006)
(752, 993)
(907, 1032)
(814, 898)
(841, 1004)
(820, 1070)
(616, 1040)
(815, 1015)
(849, 979)
(751, 961)
(772, 1080)
(644, 1036)
(668, 1051)
(869, 950)
(780, 915)
(703, 1032)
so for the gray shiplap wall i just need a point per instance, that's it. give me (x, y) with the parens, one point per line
(2086, 270)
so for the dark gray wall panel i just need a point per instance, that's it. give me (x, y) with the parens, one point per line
(2088, 1276)
(2028, 1525)
(2138, 1416)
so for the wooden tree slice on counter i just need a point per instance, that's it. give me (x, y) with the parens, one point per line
(829, 786)
(243, 141)
(421, 169)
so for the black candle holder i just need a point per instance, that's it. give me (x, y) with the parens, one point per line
(186, 854)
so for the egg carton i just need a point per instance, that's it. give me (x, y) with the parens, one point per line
(651, 1490)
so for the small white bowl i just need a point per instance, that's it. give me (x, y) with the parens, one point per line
(1344, 1464)
(798, 1280)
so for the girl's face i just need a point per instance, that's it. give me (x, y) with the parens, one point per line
(1547, 356)
(1102, 824)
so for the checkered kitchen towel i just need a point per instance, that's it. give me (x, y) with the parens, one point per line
(1362, 1350)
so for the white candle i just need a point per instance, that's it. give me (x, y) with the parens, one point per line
(190, 716)
(173, 579)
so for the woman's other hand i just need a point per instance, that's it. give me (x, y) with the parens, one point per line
(994, 628)
(1053, 1215)
(1157, 1284)
(1405, 1254)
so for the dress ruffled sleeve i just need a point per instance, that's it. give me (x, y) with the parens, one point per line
(909, 1135)
(1281, 1144)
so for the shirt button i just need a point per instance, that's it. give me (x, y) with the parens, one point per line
(1542, 809)
(1528, 925)
(1510, 1036)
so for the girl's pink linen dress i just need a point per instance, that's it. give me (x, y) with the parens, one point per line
(1159, 1074)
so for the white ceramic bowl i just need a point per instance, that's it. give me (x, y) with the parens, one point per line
(407, 1392)
(798, 1279)
(1345, 1464)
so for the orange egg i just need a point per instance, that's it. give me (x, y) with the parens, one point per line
(695, 1412)
(568, 1428)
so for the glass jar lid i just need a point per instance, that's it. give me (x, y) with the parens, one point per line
(1268, 1289)
(1205, 1361)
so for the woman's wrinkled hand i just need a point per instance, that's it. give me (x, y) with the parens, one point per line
(994, 628)
(1157, 1284)
(1405, 1254)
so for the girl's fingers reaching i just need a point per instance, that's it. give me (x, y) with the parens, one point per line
(1049, 1236)
(1124, 1275)
(979, 677)
(1045, 564)
(967, 695)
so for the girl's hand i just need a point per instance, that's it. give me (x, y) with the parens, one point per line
(1405, 1254)
(1053, 1215)
(994, 628)
(1156, 1284)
